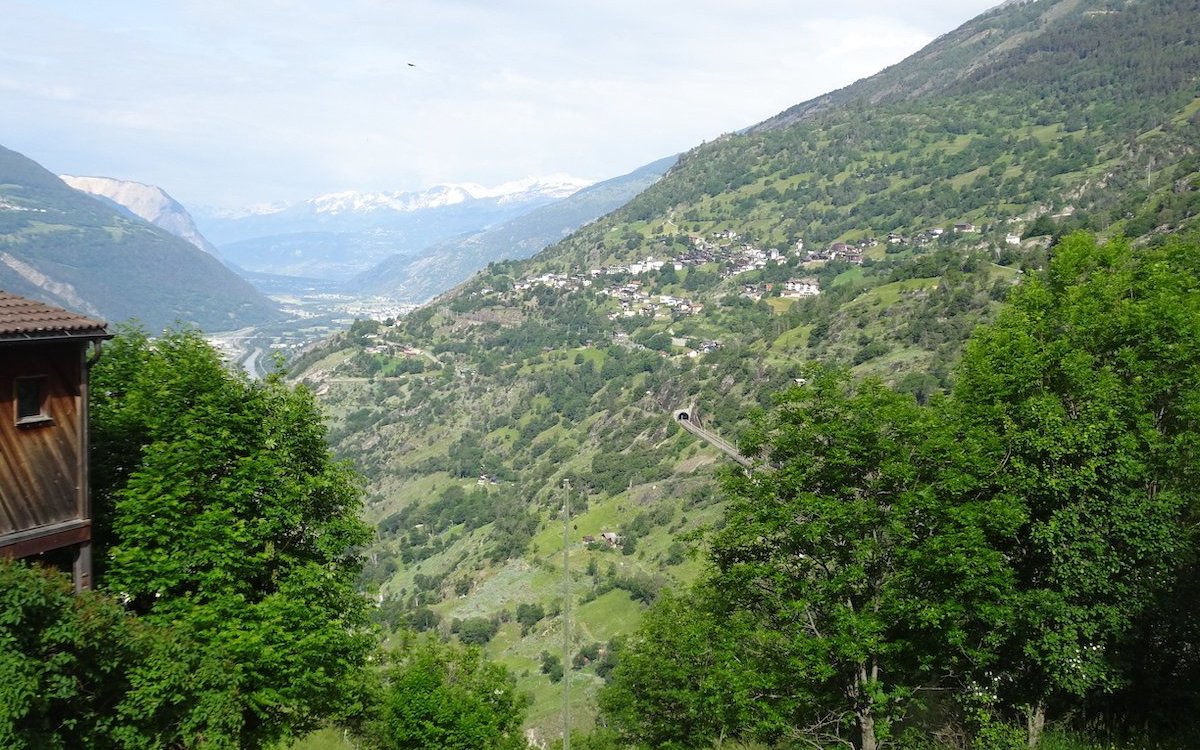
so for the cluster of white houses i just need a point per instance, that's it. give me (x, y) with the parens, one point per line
(792, 289)
(634, 302)
(734, 257)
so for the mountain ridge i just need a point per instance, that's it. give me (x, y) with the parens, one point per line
(64, 247)
(554, 186)
(339, 235)
(906, 79)
(148, 202)
(419, 277)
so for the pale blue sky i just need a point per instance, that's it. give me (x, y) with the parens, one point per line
(232, 102)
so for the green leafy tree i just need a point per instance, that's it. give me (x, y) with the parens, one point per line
(477, 631)
(529, 615)
(230, 524)
(441, 695)
(1086, 396)
(692, 675)
(552, 666)
(843, 548)
(852, 567)
(81, 672)
(64, 661)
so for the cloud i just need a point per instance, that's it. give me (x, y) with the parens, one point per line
(224, 101)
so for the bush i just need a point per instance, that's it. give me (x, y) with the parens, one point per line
(476, 631)
(586, 656)
(442, 695)
(529, 615)
(552, 666)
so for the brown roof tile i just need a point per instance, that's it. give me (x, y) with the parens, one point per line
(22, 319)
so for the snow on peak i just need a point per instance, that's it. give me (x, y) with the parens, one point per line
(355, 202)
(553, 187)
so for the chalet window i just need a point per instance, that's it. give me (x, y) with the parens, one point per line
(31, 400)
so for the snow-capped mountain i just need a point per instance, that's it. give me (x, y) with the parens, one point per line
(146, 202)
(417, 278)
(338, 235)
(540, 189)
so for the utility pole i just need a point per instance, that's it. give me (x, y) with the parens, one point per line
(566, 616)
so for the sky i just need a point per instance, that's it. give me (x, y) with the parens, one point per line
(232, 103)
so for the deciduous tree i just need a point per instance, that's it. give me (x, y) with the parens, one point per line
(441, 695)
(694, 674)
(230, 524)
(1086, 394)
(809, 547)
(64, 661)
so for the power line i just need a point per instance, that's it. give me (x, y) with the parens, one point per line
(566, 616)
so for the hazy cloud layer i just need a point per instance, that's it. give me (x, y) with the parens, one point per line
(230, 102)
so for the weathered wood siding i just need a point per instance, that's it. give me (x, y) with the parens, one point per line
(42, 465)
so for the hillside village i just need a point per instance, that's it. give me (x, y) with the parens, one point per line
(731, 253)
(636, 289)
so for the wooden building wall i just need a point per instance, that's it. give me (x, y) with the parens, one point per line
(43, 465)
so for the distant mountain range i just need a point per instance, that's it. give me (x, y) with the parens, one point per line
(416, 278)
(406, 245)
(339, 235)
(530, 189)
(92, 255)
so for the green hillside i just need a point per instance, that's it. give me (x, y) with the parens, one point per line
(448, 263)
(62, 246)
(913, 202)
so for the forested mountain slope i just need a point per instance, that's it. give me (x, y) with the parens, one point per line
(147, 202)
(62, 246)
(874, 228)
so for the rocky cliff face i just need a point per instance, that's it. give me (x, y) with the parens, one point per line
(91, 254)
(146, 202)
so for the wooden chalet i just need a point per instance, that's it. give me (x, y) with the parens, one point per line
(44, 506)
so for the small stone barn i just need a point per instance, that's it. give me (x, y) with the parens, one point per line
(45, 352)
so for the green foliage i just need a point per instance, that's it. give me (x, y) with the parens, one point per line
(552, 666)
(476, 631)
(81, 672)
(599, 738)
(585, 656)
(440, 695)
(231, 525)
(361, 329)
(692, 675)
(64, 660)
(1085, 394)
(529, 615)
(833, 548)
(612, 473)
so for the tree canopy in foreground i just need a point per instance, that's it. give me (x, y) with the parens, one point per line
(1016, 552)
(444, 695)
(230, 524)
